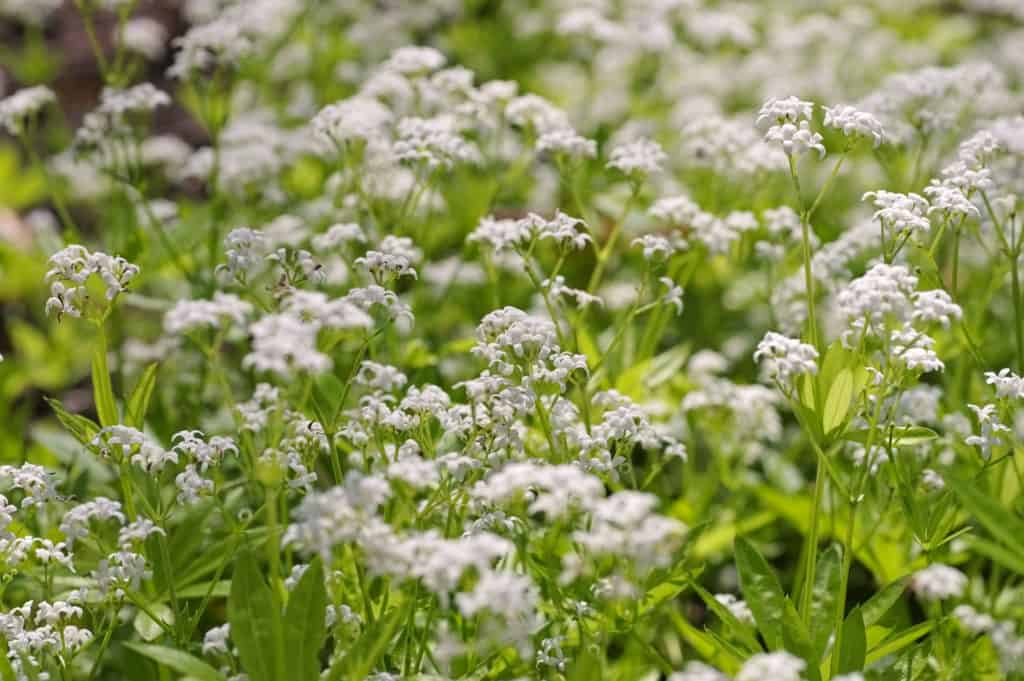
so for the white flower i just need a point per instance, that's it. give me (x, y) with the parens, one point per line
(674, 295)
(1007, 383)
(786, 357)
(338, 235)
(913, 349)
(935, 306)
(536, 112)
(191, 485)
(883, 291)
(568, 231)
(145, 36)
(284, 344)
(17, 109)
(899, 212)
(638, 158)
(972, 620)
(738, 607)
(137, 531)
(434, 142)
(501, 234)
(413, 60)
(567, 142)
(854, 123)
(932, 479)
(219, 43)
(355, 119)
(215, 640)
(796, 140)
(655, 247)
(558, 288)
(75, 524)
(989, 427)
(245, 250)
(189, 315)
(698, 671)
(938, 582)
(780, 666)
(71, 267)
(789, 110)
(380, 376)
(130, 445)
(950, 201)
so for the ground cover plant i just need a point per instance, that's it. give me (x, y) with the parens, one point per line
(466, 339)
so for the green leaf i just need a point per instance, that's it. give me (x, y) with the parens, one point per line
(1000, 522)
(179, 661)
(254, 612)
(837, 404)
(899, 437)
(875, 608)
(823, 598)
(327, 392)
(707, 647)
(1003, 555)
(103, 392)
(854, 644)
(6, 670)
(897, 642)
(81, 427)
(219, 589)
(836, 359)
(762, 591)
(304, 623)
(740, 630)
(369, 647)
(138, 401)
(147, 627)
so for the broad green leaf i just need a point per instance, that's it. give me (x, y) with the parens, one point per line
(254, 612)
(823, 598)
(666, 365)
(881, 551)
(762, 591)
(304, 623)
(854, 643)
(177, 660)
(138, 401)
(837, 404)
(103, 392)
(717, 539)
(897, 642)
(147, 627)
(900, 437)
(875, 608)
(836, 359)
(1000, 522)
(797, 640)
(81, 427)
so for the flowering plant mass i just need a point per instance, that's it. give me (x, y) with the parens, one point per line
(463, 341)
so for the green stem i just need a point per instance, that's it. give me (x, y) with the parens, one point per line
(1018, 309)
(606, 252)
(825, 187)
(805, 228)
(812, 544)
